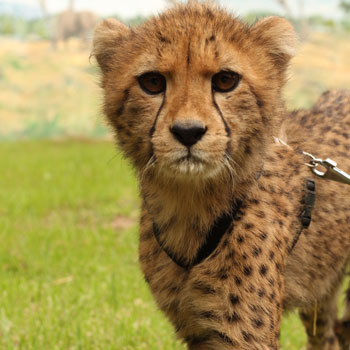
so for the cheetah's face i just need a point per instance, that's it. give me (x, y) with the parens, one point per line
(193, 99)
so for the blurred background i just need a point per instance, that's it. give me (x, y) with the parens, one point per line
(48, 85)
(69, 275)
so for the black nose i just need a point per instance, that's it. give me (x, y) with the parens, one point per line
(188, 133)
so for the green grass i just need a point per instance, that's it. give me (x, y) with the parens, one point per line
(69, 276)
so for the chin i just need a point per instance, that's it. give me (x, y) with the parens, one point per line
(191, 169)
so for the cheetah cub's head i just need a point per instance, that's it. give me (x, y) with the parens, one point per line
(194, 92)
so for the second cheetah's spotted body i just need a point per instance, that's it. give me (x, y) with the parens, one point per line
(194, 96)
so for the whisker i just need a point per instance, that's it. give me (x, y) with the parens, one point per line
(150, 164)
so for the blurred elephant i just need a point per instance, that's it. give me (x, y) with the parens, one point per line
(77, 24)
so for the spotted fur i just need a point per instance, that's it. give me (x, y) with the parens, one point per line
(235, 297)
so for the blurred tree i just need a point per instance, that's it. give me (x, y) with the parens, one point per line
(299, 20)
(71, 5)
(72, 23)
(345, 6)
(43, 7)
(286, 8)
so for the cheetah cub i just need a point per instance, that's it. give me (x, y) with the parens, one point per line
(194, 96)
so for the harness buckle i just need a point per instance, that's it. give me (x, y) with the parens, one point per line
(332, 172)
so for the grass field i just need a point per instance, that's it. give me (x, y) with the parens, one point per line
(69, 275)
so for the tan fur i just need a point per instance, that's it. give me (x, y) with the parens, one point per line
(234, 298)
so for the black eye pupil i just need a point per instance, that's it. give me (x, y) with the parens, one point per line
(224, 79)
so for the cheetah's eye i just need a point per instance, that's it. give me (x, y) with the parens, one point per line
(153, 83)
(225, 81)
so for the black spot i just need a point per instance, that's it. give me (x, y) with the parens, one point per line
(263, 269)
(261, 214)
(254, 201)
(234, 299)
(272, 255)
(225, 243)
(120, 110)
(174, 289)
(259, 103)
(261, 292)
(233, 318)
(238, 280)
(278, 243)
(257, 322)
(209, 315)
(224, 337)
(222, 274)
(251, 288)
(254, 308)
(196, 340)
(230, 255)
(204, 288)
(247, 149)
(247, 270)
(164, 40)
(257, 251)
(263, 236)
(248, 226)
(240, 239)
(247, 336)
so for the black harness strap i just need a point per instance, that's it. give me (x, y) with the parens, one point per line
(214, 236)
(222, 224)
(308, 204)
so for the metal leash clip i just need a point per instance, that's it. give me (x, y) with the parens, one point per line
(331, 173)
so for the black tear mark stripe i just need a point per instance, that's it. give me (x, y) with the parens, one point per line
(153, 128)
(120, 110)
(227, 129)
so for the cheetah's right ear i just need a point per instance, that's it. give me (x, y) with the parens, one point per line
(107, 37)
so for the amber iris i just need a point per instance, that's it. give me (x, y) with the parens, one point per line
(153, 83)
(225, 81)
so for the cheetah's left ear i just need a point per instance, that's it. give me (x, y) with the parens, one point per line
(278, 37)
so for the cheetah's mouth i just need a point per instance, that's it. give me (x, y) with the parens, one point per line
(193, 163)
